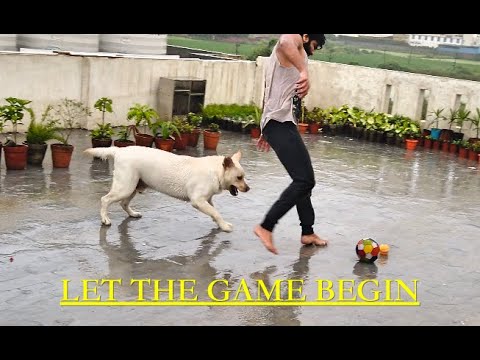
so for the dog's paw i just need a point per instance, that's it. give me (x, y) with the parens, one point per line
(135, 214)
(106, 222)
(227, 227)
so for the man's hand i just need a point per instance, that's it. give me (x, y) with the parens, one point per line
(302, 85)
(262, 144)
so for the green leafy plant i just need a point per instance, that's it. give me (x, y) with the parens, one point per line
(476, 147)
(452, 118)
(253, 119)
(475, 122)
(41, 132)
(69, 113)
(437, 116)
(213, 127)
(103, 131)
(194, 119)
(182, 125)
(462, 117)
(165, 129)
(412, 130)
(14, 112)
(142, 115)
(124, 133)
(104, 105)
(464, 144)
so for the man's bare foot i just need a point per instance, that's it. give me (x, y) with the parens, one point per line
(266, 237)
(313, 239)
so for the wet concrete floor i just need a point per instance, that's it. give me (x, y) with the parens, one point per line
(424, 204)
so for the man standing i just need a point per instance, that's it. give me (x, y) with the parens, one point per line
(286, 83)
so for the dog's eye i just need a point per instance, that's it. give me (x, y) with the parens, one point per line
(240, 177)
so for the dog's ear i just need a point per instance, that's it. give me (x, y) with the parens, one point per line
(237, 156)
(227, 162)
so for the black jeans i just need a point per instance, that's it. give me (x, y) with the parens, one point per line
(287, 143)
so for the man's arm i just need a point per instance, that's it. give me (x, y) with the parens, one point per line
(290, 52)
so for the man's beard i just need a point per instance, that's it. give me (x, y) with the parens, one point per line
(306, 46)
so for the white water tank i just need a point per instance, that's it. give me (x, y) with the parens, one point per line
(8, 42)
(143, 44)
(63, 42)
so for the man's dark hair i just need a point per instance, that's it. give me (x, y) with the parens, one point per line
(319, 37)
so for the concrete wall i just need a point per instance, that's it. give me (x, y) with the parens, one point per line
(338, 84)
(46, 79)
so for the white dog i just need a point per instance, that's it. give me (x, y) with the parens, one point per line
(183, 177)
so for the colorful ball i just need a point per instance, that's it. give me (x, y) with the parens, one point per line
(367, 250)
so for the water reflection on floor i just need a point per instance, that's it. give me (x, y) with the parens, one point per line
(423, 203)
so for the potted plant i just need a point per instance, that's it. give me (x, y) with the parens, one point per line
(211, 137)
(448, 134)
(185, 129)
(69, 113)
(102, 135)
(302, 125)
(15, 155)
(427, 142)
(435, 132)
(315, 120)
(164, 134)
(38, 133)
(463, 147)
(143, 116)
(473, 151)
(195, 121)
(123, 137)
(411, 135)
(453, 147)
(253, 121)
(462, 117)
(475, 123)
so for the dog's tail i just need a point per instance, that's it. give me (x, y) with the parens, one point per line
(102, 152)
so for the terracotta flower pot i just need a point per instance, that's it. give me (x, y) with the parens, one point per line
(16, 157)
(453, 148)
(181, 141)
(101, 142)
(61, 155)
(472, 155)
(193, 137)
(255, 133)
(210, 139)
(143, 139)
(462, 152)
(445, 146)
(122, 143)
(411, 144)
(313, 128)
(302, 128)
(164, 144)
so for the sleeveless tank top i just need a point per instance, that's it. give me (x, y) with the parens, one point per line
(280, 102)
